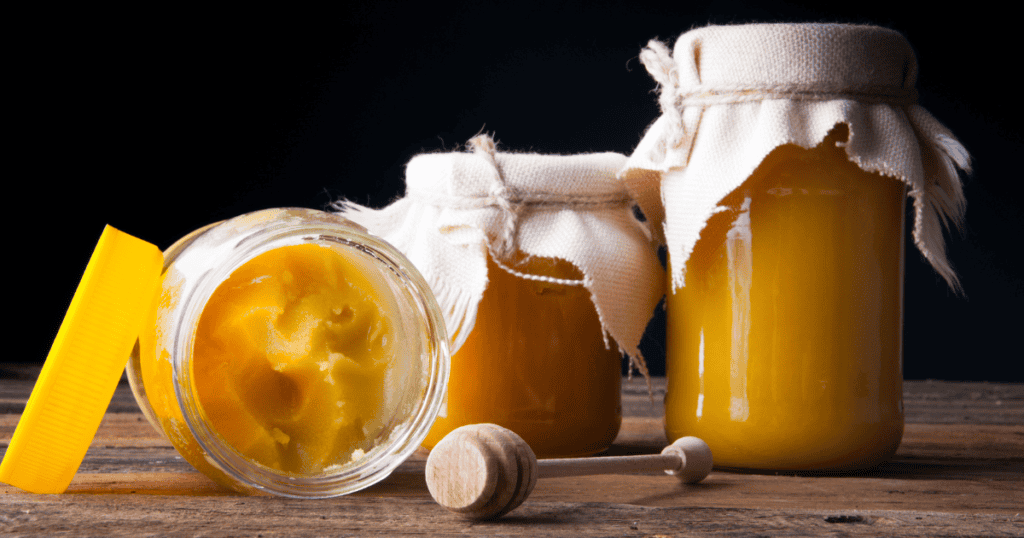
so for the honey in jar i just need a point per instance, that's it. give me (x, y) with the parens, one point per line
(291, 353)
(784, 347)
(536, 363)
(782, 161)
(546, 279)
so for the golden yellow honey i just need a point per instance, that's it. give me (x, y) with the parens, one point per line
(290, 359)
(784, 346)
(536, 363)
(291, 353)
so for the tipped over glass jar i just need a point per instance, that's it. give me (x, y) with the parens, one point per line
(291, 353)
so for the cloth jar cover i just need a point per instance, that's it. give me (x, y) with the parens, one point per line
(731, 94)
(461, 207)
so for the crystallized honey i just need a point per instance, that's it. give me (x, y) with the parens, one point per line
(784, 345)
(291, 356)
(536, 363)
(290, 363)
(291, 353)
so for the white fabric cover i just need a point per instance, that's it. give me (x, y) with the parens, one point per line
(731, 94)
(461, 207)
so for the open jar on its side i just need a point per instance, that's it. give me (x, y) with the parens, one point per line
(291, 353)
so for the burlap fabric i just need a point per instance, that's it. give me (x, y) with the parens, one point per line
(731, 94)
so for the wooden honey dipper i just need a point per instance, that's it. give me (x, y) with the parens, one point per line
(482, 471)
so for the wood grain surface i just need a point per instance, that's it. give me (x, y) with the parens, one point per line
(959, 472)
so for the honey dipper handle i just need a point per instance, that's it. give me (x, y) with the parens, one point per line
(552, 468)
(689, 459)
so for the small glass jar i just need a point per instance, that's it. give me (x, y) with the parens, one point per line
(225, 368)
(547, 279)
(536, 363)
(784, 348)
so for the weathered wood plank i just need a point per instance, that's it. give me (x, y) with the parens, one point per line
(927, 402)
(159, 515)
(924, 402)
(950, 468)
(959, 471)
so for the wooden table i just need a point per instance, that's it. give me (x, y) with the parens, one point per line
(959, 471)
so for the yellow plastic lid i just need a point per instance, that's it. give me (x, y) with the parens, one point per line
(85, 364)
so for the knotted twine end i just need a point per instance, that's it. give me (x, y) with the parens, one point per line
(657, 59)
(503, 246)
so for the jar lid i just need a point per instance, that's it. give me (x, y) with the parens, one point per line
(84, 365)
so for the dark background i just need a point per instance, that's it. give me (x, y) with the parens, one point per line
(161, 122)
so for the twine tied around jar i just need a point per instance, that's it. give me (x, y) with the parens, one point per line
(729, 95)
(461, 208)
(510, 203)
(673, 97)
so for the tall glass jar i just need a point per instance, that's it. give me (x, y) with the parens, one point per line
(784, 347)
(780, 168)
(291, 353)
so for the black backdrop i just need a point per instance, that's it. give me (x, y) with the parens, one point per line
(160, 122)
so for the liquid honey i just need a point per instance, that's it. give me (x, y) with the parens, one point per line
(784, 347)
(536, 363)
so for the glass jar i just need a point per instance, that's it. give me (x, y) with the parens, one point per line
(779, 168)
(546, 278)
(536, 363)
(784, 347)
(291, 353)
